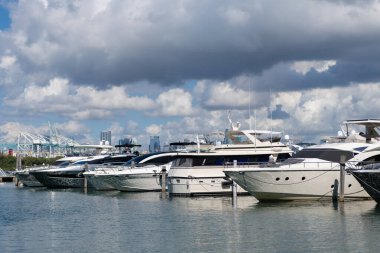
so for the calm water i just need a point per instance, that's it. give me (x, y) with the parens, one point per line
(41, 220)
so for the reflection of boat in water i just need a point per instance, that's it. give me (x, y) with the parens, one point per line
(72, 175)
(312, 173)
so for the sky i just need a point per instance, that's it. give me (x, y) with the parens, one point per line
(174, 68)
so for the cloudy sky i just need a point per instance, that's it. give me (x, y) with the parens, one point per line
(174, 68)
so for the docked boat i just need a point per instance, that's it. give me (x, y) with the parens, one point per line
(367, 173)
(369, 178)
(141, 173)
(312, 173)
(71, 176)
(27, 179)
(201, 173)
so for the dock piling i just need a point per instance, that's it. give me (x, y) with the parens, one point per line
(163, 179)
(234, 189)
(85, 183)
(342, 177)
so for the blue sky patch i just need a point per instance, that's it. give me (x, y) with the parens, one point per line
(5, 21)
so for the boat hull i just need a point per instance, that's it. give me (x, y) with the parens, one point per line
(100, 182)
(370, 180)
(67, 179)
(277, 185)
(137, 182)
(27, 179)
(202, 180)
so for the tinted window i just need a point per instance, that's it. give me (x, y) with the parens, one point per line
(283, 157)
(370, 160)
(160, 160)
(332, 155)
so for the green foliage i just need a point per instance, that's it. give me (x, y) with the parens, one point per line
(9, 162)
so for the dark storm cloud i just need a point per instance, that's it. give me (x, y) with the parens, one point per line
(169, 42)
(280, 78)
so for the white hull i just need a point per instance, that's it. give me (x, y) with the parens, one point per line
(276, 184)
(132, 180)
(202, 180)
(137, 182)
(99, 182)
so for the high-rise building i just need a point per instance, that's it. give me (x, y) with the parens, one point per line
(154, 144)
(105, 137)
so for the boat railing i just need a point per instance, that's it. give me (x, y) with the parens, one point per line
(365, 165)
(283, 164)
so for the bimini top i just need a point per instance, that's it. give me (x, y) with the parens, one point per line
(364, 122)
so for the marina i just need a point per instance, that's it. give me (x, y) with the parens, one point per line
(251, 193)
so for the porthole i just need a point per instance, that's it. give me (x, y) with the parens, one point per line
(277, 178)
(349, 185)
(303, 178)
(178, 181)
(332, 186)
(200, 181)
(212, 181)
(287, 178)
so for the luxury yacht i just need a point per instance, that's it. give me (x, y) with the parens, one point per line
(312, 173)
(369, 178)
(367, 174)
(201, 173)
(27, 179)
(71, 176)
(141, 173)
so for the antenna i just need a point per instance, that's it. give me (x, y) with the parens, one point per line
(271, 116)
(255, 129)
(249, 109)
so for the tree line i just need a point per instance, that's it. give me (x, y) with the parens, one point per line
(8, 162)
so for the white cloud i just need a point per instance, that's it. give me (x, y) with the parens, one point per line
(153, 129)
(174, 102)
(7, 62)
(225, 95)
(303, 67)
(71, 127)
(77, 102)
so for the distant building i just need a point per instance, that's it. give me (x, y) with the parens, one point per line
(154, 144)
(105, 137)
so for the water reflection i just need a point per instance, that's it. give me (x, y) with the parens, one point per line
(111, 221)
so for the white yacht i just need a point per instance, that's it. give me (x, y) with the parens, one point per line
(142, 173)
(201, 173)
(312, 173)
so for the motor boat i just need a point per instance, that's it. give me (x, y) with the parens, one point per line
(201, 173)
(71, 176)
(312, 173)
(141, 173)
(27, 179)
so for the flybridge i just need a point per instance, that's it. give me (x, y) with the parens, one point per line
(371, 133)
(365, 122)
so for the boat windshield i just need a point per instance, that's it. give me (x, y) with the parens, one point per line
(237, 137)
(137, 159)
(332, 155)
